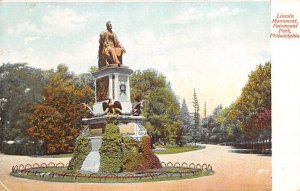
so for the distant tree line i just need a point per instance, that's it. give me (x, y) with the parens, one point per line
(41, 110)
(246, 123)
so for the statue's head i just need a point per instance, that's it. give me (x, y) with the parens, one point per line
(108, 25)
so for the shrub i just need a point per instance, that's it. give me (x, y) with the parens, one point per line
(149, 159)
(82, 149)
(124, 153)
(111, 129)
(24, 146)
(111, 150)
(133, 159)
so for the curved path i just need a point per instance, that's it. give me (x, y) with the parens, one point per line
(234, 172)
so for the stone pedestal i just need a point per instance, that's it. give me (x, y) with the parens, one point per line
(112, 83)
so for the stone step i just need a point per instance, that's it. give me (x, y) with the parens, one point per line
(92, 160)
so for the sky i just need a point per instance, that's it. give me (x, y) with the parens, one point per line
(209, 47)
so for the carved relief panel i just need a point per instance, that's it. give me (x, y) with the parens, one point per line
(102, 89)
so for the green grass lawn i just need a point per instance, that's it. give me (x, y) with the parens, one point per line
(178, 149)
(168, 173)
(62, 155)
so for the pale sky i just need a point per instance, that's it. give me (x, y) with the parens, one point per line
(211, 47)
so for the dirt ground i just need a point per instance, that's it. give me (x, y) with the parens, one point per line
(233, 172)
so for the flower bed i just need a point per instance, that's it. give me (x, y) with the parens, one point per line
(59, 172)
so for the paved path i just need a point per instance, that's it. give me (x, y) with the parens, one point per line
(91, 162)
(234, 172)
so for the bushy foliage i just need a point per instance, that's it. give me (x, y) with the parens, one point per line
(20, 88)
(125, 154)
(161, 108)
(111, 128)
(83, 80)
(82, 148)
(139, 157)
(187, 124)
(149, 159)
(185, 116)
(252, 110)
(56, 120)
(111, 153)
(248, 119)
(24, 147)
(133, 157)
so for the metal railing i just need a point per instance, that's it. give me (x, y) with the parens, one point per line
(37, 170)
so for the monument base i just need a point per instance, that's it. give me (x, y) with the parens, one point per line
(128, 125)
(119, 118)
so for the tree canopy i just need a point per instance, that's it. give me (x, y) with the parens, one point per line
(253, 108)
(161, 107)
(57, 118)
(248, 118)
(20, 88)
(186, 122)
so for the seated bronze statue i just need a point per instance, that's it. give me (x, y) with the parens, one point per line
(110, 49)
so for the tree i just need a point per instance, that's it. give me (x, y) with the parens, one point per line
(252, 109)
(221, 123)
(57, 118)
(83, 80)
(185, 115)
(196, 110)
(162, 111)
(186, 120)
(143, 82)
(93, 69)
(161, 108)
(194, 132)
(20, 88)
(215, 126)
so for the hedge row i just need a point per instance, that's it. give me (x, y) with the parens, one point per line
(125, 154)
(111, 150)
(117, 153)
(82, 149)
(133, 158)
(149, 159)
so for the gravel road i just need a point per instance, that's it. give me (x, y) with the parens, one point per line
(234, 172)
